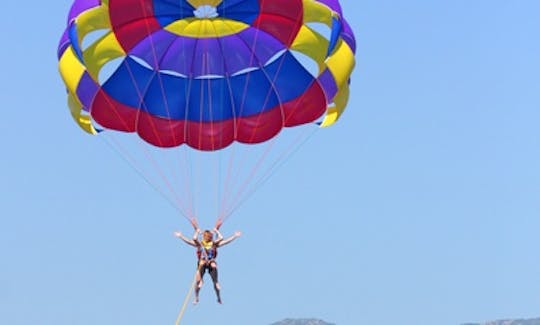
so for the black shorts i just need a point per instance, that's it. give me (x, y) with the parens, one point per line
(211, 270)
(205, 266)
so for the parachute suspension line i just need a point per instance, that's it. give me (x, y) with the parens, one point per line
(166, 102)
(239, 199)
(227, 198)
(221, 180)
(284, 157)
(211, 99)
(129, 160)
(271, 90)
(227, 182)
(219, 140)
(169, 185)
(278, 71)
(168, 112)
(189, 180)
(253, 173)
(149, 156)
(278, 163)
(123, 120)
(191, 213)
(240, 112)
(224, 184)
(221, 183)
(195, 179)
(124, 155)
(251, 187)
(220, 191)
(186, 299)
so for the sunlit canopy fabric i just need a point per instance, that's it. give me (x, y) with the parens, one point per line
(205, 72)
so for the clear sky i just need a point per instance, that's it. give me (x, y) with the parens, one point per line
(420, 207)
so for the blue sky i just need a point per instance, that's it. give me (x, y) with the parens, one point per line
(420, 207)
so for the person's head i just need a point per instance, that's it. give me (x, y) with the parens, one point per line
(207, 235)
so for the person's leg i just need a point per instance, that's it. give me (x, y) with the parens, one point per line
(198, 280)
(214, 275)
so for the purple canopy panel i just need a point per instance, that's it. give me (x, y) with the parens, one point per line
(208, 58)
(153, 48)
(348, 35)
(80, 6)
(86, 91)
(237, 55)
(263, 45)
(179, 56)
(328, 83)
(64, 43)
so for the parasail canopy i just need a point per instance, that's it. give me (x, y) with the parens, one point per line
(205, 73)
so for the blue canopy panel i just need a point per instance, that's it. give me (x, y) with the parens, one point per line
(208, 99)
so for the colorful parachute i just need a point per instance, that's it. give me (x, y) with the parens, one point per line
(205, 72)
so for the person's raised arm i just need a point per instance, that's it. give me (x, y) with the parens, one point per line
(186, 240)
(230, 239)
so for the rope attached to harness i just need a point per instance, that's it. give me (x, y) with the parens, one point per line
(186, 299)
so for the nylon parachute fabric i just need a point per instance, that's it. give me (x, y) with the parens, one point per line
(205, 73)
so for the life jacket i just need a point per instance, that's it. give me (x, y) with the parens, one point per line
(207, 251)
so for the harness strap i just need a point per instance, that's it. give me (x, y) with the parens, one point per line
(204, 253)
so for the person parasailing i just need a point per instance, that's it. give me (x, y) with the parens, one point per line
(207, 250)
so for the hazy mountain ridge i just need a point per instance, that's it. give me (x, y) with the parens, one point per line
(303, 322)
(534, 321)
